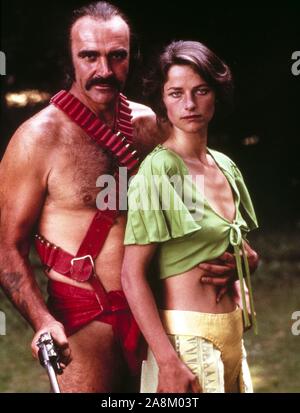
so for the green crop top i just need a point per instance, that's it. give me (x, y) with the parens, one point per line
(175, 214)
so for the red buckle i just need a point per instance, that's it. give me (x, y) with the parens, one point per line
(79, 270)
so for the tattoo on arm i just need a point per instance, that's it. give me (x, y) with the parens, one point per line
(12, 285)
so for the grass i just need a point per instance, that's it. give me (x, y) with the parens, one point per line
(273, 355)
(19, 371)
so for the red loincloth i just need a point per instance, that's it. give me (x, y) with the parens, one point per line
(76, 307)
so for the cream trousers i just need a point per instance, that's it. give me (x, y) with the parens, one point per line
(211, 345)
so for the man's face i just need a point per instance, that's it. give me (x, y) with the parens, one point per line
(100, 53)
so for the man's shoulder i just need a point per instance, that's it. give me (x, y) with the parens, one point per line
(42, 128)
(140, 110)
(39, 125)
(147, 132)
(33, 143)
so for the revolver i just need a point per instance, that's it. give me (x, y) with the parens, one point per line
(49, 358)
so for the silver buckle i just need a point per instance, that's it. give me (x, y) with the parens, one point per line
(83, 258)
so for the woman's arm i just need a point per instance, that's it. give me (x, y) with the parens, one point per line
(174, 375)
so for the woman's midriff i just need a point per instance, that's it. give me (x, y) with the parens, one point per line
(186, 292)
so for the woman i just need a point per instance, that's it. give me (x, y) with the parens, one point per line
(188, 204)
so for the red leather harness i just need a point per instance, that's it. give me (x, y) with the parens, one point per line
(81, 266)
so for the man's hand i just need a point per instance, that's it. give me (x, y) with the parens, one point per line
(253, 257)
(222, 271)
(238, 295)
(57, 332)
(177, 378)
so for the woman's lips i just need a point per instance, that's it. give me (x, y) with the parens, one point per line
(192, 117)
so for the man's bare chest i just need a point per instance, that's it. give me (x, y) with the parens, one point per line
(74, 174)
(79, 162)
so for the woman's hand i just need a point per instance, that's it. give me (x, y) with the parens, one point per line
(176, 377)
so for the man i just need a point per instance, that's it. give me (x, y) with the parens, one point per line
(48, 177)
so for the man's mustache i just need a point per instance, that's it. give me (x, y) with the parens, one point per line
(107, 81)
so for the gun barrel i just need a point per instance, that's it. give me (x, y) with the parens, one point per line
(52, 378)
(49, 359)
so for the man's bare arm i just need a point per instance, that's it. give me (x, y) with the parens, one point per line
(24, 172)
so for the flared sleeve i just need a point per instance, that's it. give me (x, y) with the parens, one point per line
(157, 210)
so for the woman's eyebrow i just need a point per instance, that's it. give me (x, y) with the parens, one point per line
(174, 87)
(195, 87)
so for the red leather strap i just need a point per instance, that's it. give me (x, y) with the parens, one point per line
(64, 263)
(81, 266)
(120, 146)
(53, 256)
(93, 242)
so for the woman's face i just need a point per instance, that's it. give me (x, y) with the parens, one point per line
(189, 100)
